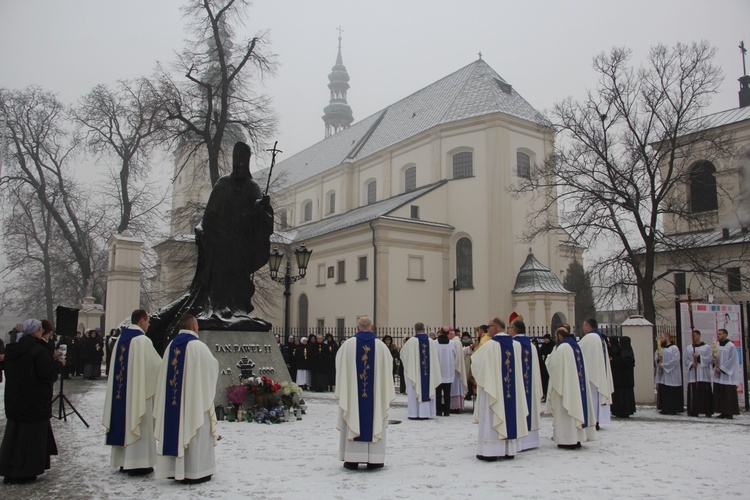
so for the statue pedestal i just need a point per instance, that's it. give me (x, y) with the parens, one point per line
(254, 352)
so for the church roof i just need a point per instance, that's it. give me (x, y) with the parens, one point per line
(534, 277)
(357, 216)
(723, 118)
(472, 91)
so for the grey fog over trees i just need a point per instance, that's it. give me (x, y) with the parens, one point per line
(211, 104)
(622, 158)
(56, 220)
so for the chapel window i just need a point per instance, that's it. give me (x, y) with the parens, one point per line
(463, 165)
(464, 268)
(703, 188)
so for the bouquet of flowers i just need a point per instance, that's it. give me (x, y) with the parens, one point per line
(290, 394)
(237, 393)
(274, 415)
(262, 385)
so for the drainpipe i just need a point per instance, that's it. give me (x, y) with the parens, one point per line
(374, 279)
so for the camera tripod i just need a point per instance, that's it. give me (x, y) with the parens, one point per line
(62, 413)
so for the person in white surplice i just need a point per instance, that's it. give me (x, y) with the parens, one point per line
(532, 383)
(129, 402)
(568, 394)
(185, 419)
(500, 409)
(697, 360)
(422, 371)
(458, 385)
(598, 369)
(727, 374)
(364, 388)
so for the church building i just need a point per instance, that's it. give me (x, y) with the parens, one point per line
(409, 209)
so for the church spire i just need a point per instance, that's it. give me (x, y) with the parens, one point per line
(338, 115)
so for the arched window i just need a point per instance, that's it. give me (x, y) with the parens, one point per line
(331, 202)
(307, 211)
(464, 271)
(703, 188)
(463, 165)
(372, 188)
(302, 312)
(283, 222)
(523, 165)
(410, 179)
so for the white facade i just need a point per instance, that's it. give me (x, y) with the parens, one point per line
(721, 232)
(409, 239)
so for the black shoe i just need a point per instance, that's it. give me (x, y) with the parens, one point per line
(569, 446)
(351, 465)
(487, 459)
(195, 481)
(597, 426)
(140, 472)
(374, 466)
(508, 457)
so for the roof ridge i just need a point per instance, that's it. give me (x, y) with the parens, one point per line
(449, 108)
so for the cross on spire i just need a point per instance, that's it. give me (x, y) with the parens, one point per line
(340, 30)
(743, 51)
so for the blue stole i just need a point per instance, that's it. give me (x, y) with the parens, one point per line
(116, 433)
(508, 363)
(424, 364)
(526, 348)
(578, 355)
(173, 399)
(365, 383)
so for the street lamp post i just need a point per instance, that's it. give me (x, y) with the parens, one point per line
(302, 256)
(455, 289)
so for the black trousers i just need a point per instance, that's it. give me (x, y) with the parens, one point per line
(443, 396)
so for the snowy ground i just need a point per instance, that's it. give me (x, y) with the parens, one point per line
(646, 456)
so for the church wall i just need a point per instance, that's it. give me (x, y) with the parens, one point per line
(732, 177)
(701, 287)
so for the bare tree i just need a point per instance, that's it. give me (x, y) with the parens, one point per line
(125, 122)
(40, 150)
(622, 159)
(215, 102)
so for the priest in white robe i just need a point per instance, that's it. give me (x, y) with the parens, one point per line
(727, 375)
(568, 398)
(500, 409)
(598, 369)
(532, 384)
(422, 371)
(669, 400)
(697, 362)
(129, 402)
(185, 419)
(458, 384)
(364, 388)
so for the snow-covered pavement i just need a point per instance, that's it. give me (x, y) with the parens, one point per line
(646, 456)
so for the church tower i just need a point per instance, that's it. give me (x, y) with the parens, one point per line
(338, 115)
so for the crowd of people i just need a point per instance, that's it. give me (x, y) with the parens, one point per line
(311, 361)
(159, 411)
(713, 374)
(584, 382)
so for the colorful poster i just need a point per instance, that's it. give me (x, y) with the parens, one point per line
(708, 318)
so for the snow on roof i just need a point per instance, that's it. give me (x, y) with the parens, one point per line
(474, 90)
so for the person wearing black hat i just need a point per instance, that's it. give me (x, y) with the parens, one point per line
(31, 369)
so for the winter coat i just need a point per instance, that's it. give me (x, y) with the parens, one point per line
(30, 372)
